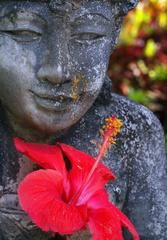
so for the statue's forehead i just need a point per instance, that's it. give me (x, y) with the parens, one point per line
(83, 5)
(80, 7)
(58, 3)
(121, 5)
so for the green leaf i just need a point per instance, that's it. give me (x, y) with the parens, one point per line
(159, 73)
(139, 96)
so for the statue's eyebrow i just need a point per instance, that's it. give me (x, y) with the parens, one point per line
(104, 12)
(91, 15)
(23, 16)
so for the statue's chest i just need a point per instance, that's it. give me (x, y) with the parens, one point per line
(117, 163)
(118, 188)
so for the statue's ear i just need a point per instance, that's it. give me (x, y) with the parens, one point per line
(126, 5)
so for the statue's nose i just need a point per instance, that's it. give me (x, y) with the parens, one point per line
(54, 74)
(56, 65)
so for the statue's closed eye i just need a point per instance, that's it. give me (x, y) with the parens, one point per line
(22, 26)
(82, 37)
(23, 35)
(90, 28)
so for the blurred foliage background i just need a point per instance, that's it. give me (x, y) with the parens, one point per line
(138, 68)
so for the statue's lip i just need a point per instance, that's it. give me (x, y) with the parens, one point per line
(56, 103)
(57, 96)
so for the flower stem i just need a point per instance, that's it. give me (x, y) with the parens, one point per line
(97, 160)
(109, 133)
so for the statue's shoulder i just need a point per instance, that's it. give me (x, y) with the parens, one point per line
(140, 126)
(134, 116)
(142, 135)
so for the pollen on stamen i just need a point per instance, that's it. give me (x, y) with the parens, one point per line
(109, 132)
(111, 128)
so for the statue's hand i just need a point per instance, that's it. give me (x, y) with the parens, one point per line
(81, 235)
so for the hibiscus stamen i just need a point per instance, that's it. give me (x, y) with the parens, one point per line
(109, 132)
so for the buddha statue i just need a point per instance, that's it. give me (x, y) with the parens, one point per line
(54, 87)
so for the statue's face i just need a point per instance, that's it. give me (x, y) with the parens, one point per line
(53, 62)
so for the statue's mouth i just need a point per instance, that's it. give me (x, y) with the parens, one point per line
(54, 102)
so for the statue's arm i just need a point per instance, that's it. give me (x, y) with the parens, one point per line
(146, 203)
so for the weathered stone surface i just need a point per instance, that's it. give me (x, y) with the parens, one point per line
(56, 63)
(138, 159)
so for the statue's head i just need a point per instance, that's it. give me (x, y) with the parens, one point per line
(54, 57)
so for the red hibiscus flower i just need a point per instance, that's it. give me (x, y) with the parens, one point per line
(68, 194)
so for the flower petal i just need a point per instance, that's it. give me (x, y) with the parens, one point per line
(125, 222)
(105, 224)
(99, 200)
(40, 195)
(81, 166)
(47, 156)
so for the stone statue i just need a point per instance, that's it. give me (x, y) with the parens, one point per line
(53, 86)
